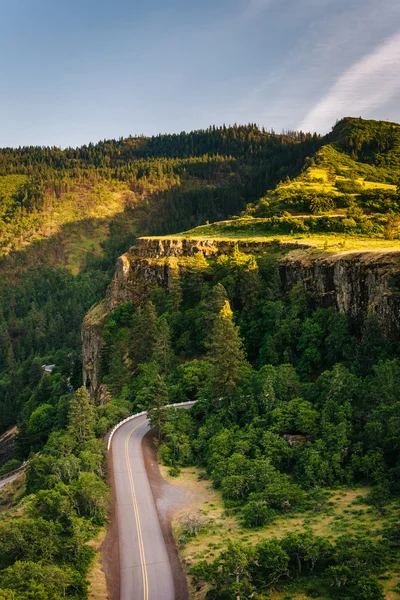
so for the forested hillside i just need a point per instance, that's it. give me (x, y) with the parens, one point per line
(79, 209)
(170, 182)
(348, 188)
(261, 363)
(295, 407)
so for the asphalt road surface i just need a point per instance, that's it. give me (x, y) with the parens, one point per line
(8, 479)
(145, 570)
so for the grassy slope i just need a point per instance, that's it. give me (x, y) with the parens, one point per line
(357, 153)
(62, 234)
(343, 512)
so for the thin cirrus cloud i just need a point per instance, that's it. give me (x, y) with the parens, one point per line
(366, 85)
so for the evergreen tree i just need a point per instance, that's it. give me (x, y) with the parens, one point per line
(157, 412)
(144, 334)
(225, 352)
(118, 374)
(81, 416)
(15, 384)
(195, 280)
(249, 283)
(4, 343)
(163, 354)
(214, 304)
(174, 285)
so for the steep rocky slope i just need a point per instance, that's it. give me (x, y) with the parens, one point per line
(352, 282)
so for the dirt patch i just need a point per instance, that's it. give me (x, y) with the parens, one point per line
(169, 499)
(96, 575)
(109, 548)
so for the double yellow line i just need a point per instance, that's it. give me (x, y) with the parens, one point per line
(137, 518)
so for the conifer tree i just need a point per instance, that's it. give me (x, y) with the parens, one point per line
(118, 374)
(194, 283)
(157, 412)
(144, 334)
(81, 416)
(249, 283)
(214, 305)
(163, 354)
(225, 351)
(4, 343)
(174, 286)
(15, 384)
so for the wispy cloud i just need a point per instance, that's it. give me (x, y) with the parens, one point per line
(369, 83)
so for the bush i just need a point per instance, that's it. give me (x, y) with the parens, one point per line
(257, 514)
(367, 588)
(347, 186)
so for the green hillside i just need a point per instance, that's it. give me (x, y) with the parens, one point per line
(263, 364)
(66, 215)
(163, 184)
(56, 205)
(358, 166)
(347, 194)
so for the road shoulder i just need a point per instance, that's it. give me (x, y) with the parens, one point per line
(110, 547)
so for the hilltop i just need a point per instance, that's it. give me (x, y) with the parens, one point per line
(61, 206)
(357, 166)
(345, 197)
(158, 185)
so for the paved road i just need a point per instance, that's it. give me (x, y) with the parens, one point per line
(146, 572)
(9, 479)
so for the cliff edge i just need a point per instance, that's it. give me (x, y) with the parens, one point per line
(355, 283)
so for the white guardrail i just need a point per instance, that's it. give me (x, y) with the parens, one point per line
(144, 412)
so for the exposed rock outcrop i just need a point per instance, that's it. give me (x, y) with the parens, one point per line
(91, 346)
(186, 247)
(135, 275)
(352, 282)
(355, 283)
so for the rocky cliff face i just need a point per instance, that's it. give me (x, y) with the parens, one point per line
(354, 282)
(91, 346)
(185, 247)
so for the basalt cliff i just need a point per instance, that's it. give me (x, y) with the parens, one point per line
(352, 282)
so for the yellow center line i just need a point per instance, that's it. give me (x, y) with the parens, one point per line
(137, 517)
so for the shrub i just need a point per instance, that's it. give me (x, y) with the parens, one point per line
(347, 186)
(257, 514)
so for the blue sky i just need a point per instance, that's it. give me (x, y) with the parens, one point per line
(79, 71)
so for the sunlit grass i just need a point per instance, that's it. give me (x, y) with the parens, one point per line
(328, 242)
(343, 512)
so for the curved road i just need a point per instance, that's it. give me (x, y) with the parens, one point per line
(145, 570)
